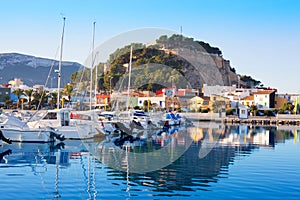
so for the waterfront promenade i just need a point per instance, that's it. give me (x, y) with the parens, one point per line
(278, 120)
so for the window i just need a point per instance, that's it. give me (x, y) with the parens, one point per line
(205, 103)
(243, 112)
(51, 116)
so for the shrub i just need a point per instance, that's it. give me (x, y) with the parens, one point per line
(205, 110)
(230, 111)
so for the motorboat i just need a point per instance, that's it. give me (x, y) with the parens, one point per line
(60, 120)
(15, 130)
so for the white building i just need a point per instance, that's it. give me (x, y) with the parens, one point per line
(16, 83)
(217, 90)
(160, 101)
(264, 99)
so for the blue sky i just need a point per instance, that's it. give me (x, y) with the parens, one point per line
(261, 38)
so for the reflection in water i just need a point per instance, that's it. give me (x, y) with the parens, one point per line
(205, 160)
(181, 162)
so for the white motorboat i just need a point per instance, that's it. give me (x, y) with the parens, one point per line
(60, 120)
(14, 130)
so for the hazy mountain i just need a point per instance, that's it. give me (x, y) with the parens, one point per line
(34, 70)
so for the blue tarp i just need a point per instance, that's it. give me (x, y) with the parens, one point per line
(13, 97)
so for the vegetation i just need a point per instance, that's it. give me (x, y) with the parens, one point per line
(29, 94)
(230, 111)
(147, 65)
(286, 107)
(253, 110)
(180, 41)
(18, 92)
(68, 89)
(250, 82)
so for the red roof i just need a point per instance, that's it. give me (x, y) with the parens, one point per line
(264, 92)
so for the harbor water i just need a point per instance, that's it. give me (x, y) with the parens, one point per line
(212, 162)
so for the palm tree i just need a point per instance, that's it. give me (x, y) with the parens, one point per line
(39, 98)
(68, 89)
(53, 96)
(36, 98)
(29, 94)
(18, 92)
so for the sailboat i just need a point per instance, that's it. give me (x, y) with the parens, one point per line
(60, 118)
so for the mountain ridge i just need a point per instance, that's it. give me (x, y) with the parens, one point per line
(33, 70)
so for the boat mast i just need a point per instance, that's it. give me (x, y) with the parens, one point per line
(60, 61)
(129, 76)
(92, 64)
(96, 76)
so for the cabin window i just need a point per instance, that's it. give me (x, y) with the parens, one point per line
(51, 116)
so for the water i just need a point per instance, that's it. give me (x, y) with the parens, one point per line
(198, 163)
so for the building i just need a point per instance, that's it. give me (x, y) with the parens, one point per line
(4, 95)
(280, 101)
(217, 89)
(102, 100)
(243, 112)
(219, 103)
(264, 99)
(172, 103)
(184, 96)
(16, 82)
(197, 103)
(248, 101)
(157, 101)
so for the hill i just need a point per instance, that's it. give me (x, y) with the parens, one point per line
(182, 60)
(34, 70)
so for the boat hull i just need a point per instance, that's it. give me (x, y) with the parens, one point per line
(16, 135)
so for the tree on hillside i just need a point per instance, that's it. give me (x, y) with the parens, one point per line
(250, 82)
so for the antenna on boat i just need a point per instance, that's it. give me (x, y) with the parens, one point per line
(92, 64)
(60, 61)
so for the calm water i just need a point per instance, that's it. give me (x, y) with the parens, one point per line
(198, 163)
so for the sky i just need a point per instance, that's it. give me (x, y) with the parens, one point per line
(261, 38)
